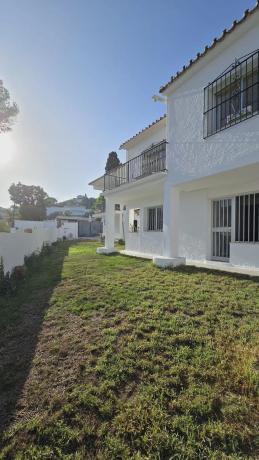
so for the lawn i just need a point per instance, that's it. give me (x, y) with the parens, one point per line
(109, 357)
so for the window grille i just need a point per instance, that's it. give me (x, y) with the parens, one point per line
(232, 97)
(155, 219)
(247, 218)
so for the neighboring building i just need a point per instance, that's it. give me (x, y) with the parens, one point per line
(191, 180)
(80, 227)
(69, 210)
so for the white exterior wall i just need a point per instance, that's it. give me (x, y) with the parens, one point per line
(69, 230)
(212, 162)
(244, 254)
(143, 241)
(191, 156)
(15, 246)
(196, 221)
(194, 216)
(157, 134)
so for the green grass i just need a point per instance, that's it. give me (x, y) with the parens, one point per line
(109, 357)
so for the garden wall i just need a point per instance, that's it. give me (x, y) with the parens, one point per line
(15, 246)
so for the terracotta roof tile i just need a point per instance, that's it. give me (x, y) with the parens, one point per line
(144, 129)
(207, 48)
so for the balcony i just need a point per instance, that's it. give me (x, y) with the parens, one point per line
(149, 162)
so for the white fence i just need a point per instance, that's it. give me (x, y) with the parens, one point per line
(34, 224)
(69, 230)
(15, 246)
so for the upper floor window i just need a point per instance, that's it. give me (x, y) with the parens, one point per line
(233, 96)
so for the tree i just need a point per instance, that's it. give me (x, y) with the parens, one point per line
(50, 201)
(31, 212)
(31, 200)
(8, 110)
(99, 205)
(112, 162)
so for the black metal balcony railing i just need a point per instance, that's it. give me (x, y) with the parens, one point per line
(150, 161)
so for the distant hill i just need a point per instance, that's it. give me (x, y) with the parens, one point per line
(80, 200)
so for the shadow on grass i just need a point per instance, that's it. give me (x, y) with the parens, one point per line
(21, 318)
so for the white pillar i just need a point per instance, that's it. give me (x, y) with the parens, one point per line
(171, 224)
(172, 216)
(109, 227)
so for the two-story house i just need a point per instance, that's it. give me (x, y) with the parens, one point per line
(137, 186)
(191, 182)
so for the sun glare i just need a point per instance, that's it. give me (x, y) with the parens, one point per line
(7, 149)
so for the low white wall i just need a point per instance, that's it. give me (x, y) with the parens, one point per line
(15, 246)
(67, 229)
(33, 224)
(244, 254)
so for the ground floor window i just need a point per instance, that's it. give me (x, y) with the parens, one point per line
(155, 219)
(240, 213)
(247, 218)
(221, 228)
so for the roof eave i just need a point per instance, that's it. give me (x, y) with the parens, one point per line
(165, 89)
(133, 140)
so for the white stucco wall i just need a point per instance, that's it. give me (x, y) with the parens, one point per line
(196, 221)
(244, 254)
(155, 134)
(190, 156)
(194, 237)
(143, 241)
(119, 224)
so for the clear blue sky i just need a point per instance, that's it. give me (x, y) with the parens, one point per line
(83, 73)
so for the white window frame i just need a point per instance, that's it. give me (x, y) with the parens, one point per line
(155, 223)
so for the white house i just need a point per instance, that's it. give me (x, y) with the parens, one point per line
(191, 180)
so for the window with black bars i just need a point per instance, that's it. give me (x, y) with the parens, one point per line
(247, 218)
(155, 219)
(232, 97)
